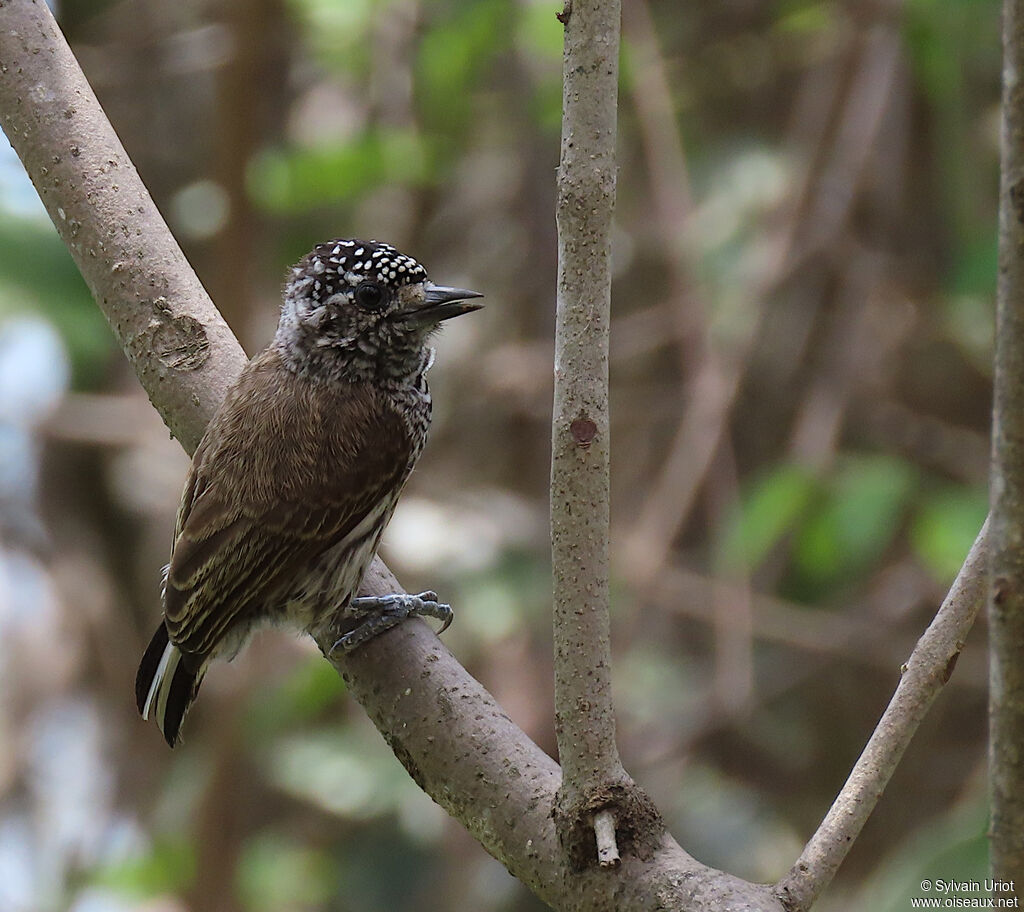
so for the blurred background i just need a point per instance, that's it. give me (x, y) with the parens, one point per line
(805, 263)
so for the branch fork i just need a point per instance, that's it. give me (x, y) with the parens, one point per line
(612, 821)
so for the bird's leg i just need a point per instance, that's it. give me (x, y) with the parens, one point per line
(382, 612)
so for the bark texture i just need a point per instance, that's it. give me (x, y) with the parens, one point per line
(594, 780)
(585, 723)
(1006, 596)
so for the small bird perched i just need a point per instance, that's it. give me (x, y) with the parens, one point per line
(300, 469)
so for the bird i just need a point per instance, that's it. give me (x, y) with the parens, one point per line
(299, 471)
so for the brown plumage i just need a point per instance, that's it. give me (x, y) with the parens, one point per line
(300, 469)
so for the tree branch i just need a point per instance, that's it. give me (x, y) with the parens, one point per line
(443, 726)
(1006, 596)
(593, 777)
(923, 676)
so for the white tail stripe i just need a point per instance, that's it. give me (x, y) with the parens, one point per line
(161, 683)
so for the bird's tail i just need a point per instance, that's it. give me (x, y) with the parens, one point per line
(165, 686)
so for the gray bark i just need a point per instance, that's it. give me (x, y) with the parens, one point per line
(585, 722)
(1006, 596)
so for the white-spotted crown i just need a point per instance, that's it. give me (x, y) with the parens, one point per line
(330, 267)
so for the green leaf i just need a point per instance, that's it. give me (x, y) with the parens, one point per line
(454, 57)
(857, 519)
(770, 510)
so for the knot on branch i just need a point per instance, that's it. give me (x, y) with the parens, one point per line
(639, 826)
(583, 430)
(179, 342)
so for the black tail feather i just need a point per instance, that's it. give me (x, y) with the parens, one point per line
(148, 666)
(184, 686)
(179, 678)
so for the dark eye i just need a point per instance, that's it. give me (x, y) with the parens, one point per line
(370, 296)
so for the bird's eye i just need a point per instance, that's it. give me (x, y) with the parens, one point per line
(370, 296)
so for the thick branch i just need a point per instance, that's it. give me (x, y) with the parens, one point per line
(444, 727)
(1006, 597)
(579, 459)
(926, 671)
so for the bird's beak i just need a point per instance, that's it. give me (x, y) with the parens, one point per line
(440, 303)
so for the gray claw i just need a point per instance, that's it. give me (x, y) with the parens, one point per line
(382, 612)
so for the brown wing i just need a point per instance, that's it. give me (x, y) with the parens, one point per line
(287, 469)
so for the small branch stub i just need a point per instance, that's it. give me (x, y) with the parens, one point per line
(604, 832)
(583, 431)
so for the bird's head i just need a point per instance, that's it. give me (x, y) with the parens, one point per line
(364, 309)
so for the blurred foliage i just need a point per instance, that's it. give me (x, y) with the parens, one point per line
(298, 180)
(166, 867)
(805, 266)
(855, 521)
(946, 525)
(276, 873)
(955, 844)
(37, 275)
(303, 696)
(771, 510)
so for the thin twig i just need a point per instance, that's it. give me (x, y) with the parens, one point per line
(926, 671)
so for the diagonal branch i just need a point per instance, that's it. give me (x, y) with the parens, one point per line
(923, 676)
(182, 350)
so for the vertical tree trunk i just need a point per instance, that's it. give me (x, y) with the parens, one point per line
(585, 723)
(1006, 595)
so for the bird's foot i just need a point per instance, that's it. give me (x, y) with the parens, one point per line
(382, 612)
